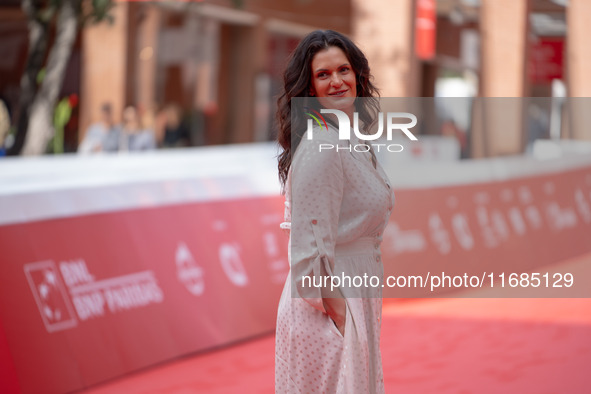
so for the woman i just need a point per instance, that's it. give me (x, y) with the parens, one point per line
(337, 205)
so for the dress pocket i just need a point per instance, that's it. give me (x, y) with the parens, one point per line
(333, 327)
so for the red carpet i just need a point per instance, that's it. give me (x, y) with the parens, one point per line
(428, 346)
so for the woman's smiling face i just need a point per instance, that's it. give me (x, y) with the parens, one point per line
(333, 80)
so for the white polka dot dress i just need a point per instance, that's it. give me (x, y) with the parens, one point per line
(337, 206)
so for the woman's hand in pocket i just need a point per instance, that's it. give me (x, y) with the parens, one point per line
(336, 308)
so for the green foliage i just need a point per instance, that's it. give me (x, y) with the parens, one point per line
(41, 76)
(61, 117)
(90, 11)
(98, 11)
(46, 15)
(63, 112)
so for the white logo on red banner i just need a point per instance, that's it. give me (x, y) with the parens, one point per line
(232, 264)
(439, 235)
(582, 206)
(89, 298)
(401, 241)
(189, 273)
(459, 223)
(117, 294)
(50, 296)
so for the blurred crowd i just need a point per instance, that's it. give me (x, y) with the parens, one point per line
(139, 130)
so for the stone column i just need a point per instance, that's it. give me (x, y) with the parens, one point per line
(504, 27)
(579, 68)
(384, 31)
(103, 68)
(146, 51)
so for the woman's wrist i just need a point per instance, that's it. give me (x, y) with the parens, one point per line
(336, 308)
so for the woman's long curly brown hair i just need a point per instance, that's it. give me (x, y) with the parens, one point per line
(297, 81)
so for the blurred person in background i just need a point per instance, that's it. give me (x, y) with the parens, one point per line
(172, 131)
(102, 136)
(449, 128)
(134, 137)
(337, 204)
(4, 126)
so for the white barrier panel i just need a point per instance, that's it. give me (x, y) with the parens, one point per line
(69, 185)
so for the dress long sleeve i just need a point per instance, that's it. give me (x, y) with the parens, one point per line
(316, 191)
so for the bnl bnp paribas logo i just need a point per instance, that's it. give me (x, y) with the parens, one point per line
(393, 123)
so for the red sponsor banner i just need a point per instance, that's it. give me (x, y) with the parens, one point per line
(517, 226)
(89, 298)
(92, 297)
(546, 60)
(425, 29)
(8, 377)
